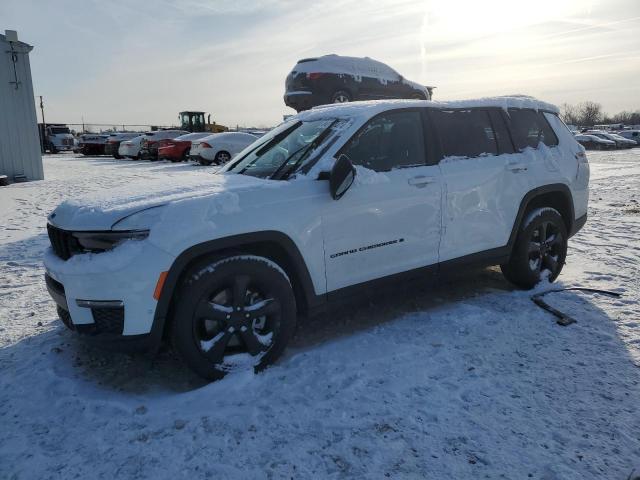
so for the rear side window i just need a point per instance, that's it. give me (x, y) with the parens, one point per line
(465, 133)
(529, 128)
(388, 141)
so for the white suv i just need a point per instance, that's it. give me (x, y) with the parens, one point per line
(336, 199)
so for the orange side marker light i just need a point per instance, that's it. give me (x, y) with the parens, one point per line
(159, 285)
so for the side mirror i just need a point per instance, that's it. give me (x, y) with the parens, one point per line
(342, 176)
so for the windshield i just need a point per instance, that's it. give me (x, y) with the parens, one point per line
(283, 149)
(57, 130)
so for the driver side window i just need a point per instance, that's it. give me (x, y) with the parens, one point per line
(388, 141)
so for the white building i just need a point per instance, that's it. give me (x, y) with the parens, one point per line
(20, 156)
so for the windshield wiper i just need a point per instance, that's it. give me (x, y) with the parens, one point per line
(305, 149)
(278, 138)
(266, 146)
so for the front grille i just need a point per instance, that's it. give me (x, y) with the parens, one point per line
(64, 244)
(108, 320)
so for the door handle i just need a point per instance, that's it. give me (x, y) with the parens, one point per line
(420, 181)
(516, 167)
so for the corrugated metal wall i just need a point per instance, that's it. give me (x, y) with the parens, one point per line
(19, 139)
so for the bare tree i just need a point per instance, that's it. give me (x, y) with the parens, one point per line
(590, 113)
(569, 114)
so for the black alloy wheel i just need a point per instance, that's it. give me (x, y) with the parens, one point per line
(237, 313)
(222, 157)
(540, 249)
(341, 96)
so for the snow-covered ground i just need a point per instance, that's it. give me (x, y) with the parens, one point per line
(469, 380)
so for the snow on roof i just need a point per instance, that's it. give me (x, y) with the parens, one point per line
(357, 67)
(340, 64)
(373, 107)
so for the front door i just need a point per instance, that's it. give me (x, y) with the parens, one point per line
(389, 220)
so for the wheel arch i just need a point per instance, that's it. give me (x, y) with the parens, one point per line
(556, 196)
(273, 245)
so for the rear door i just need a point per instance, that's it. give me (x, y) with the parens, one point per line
(480, 180)
(389, 220)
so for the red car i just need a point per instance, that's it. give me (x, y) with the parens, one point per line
(177, 149)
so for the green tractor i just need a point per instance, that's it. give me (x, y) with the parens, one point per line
(194, 122)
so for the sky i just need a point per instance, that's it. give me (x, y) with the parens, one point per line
(135, 62)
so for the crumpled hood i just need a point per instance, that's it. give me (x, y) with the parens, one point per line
(101, 210)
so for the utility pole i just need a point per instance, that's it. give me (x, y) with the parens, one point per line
(43, 131)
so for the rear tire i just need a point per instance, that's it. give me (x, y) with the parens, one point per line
(341, 96)
(540, 249)
(234, 313)
(222, 157)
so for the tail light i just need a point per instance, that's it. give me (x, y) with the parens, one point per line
(582, 157)
(314, 75)
(205, 145)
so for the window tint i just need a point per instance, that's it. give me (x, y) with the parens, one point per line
(529, 128)
(391, 140)
(505, 145)
(465, 133)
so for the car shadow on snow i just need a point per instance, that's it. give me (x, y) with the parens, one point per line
(138, 373)
(375, 307)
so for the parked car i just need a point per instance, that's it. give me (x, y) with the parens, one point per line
(112, 145)
(593, 142)
(631, 135)
(626, 142)
(337, 79)
(131, 148)
(620, 142)
(219, 148)
(177, 149)
(92, 143)
(149, 143)
(222, 268)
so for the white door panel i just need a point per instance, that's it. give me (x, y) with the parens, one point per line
(384, 224)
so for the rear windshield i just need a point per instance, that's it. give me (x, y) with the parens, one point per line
(57, 130)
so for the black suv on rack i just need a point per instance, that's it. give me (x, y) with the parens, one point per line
(336, 79)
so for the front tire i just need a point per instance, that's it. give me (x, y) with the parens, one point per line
(540, 249)
(234, 313)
